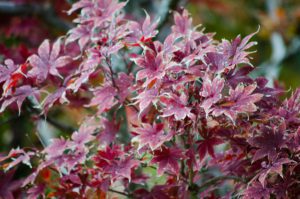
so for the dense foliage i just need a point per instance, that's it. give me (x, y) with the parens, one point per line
(193, 114)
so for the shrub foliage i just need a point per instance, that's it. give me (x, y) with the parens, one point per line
(183, 112)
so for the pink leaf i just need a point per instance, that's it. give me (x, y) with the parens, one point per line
(240, 100)
(152, 136)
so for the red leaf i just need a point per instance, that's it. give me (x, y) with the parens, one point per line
(206, 146)
(167, 159)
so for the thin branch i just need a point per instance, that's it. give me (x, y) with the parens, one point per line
(45, 11)
(119, 192)
(217, 179)
(108, 62)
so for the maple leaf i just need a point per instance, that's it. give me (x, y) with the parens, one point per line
(146, 98)
(36, 191)
(167, 159)
(148, 28)
(240, 100)
(112, 161)
(82, 34)
(183, 23)
(211, 91)
(270, 140)
(86, 69)
(206, 146)
(18, 156)
(67, 162)
(152, 135)
(8, 186)
(290, 108)
(11, 74)
(216, 61)
(202, 53)
(65, 154)
(81, 137)
(235, 52)
(293, 141)
(56, 148)
(231, 162)
(104, 11)
(47, 62)
(176, 106)
(7, 70)
(85, 5)
(151, 64)
(142, 32)
(108, 134)
(124, 168)
(240, 75)
(293, 103)
(123, 83)
(256, 191)
(58, 95)
(273, 167)
(104, 157)
(104, 98)
(20, 94)
(169, 46)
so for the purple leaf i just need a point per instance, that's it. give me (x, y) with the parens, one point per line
(273, 167)
(268, 143)
(256, 191)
